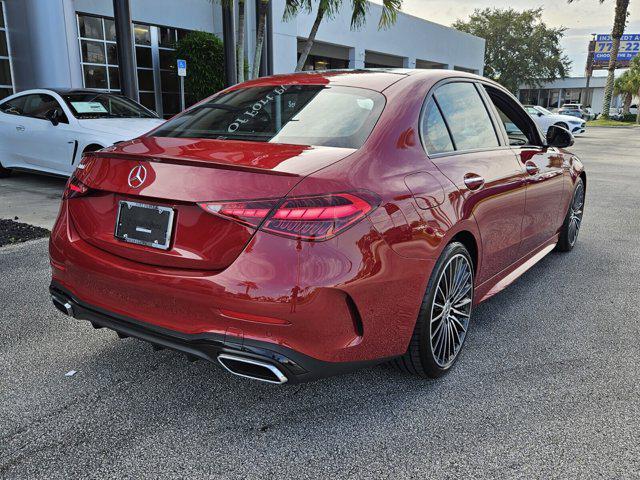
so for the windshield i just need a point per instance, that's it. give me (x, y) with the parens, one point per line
(105, 105)
(543, 110)
(293, 114)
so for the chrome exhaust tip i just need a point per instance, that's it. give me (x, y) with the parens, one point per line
(63, 305)
(251, 368)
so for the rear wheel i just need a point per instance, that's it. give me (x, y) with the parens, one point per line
(4, 172)
(443, 321)
(573, 220)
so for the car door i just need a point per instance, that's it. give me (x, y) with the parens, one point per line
(44, 144)
(545, 168)
(471, 154)
(11, 129)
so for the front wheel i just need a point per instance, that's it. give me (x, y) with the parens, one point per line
(443, 321)
(573, 220)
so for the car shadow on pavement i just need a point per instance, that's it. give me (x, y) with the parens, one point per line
(180, 390)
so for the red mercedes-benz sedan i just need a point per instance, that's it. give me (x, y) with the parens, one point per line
(299, 226)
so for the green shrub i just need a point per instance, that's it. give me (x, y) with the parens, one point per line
(204, 53)
(629, 117)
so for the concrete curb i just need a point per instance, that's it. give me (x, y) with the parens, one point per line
(611, 126)
(16, 246)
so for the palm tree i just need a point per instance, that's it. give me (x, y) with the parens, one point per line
(634, 80)
(328, 8)
(240, 40)
(619, 23)
(262, 21)
(624, 85)
(240, 36)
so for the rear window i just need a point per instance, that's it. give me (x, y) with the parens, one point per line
(293, 114)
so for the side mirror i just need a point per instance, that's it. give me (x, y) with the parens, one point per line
(53, 116)
(559, 137)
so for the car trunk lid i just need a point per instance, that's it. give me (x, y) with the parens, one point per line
(178, 174)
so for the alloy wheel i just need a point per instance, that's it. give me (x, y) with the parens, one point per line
(451, 310)
(575, 214)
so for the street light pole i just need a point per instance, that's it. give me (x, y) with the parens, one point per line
(124, 46)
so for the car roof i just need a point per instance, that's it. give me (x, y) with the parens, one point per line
(61, 91)
(67, 91)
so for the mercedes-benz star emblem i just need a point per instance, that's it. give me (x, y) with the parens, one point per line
(137, 176)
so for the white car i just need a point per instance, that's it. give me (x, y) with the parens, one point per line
(544, 118)
(48, 130)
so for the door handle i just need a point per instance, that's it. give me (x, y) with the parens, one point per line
(473, 181)
(20, 128)
(531, 167)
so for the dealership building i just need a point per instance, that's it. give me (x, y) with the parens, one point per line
(72, 44)
(568, 90)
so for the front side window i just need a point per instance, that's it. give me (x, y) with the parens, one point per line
(104, 105)
(434, 130)
(293, 114)
(519, 126)
(39, 105)
(466, 116)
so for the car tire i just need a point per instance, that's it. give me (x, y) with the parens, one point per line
(573, 219)
(5, 172)
(563, 125)
(433, 350)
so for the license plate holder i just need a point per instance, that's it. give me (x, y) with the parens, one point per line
(144, 224)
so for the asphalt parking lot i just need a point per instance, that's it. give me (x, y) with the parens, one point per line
(548, 386)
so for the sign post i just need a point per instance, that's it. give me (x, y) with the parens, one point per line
(182, 72)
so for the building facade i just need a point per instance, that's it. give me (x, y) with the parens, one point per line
(72, 44)
(568, 90)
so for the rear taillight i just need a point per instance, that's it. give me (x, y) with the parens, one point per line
(307, 218)
(75, 188)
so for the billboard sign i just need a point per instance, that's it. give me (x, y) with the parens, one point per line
(629, 48)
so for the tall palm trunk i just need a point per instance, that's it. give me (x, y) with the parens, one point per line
(619, 23)
(312, 36)
(638, 110)
(262, 21)
(626, 106)
(240, 40)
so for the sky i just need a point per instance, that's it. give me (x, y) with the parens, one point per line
(581, 18)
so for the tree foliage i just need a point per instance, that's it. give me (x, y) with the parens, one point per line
(204, 53)
(520, 47)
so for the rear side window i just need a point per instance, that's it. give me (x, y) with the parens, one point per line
(15, 106)
(434, 130)
(294, 114)
(468, 120)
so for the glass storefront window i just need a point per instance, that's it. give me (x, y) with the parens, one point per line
(155, 61)
(142, 34)
(98, 52)
(90, 27)
(6, 81)
(95, 76)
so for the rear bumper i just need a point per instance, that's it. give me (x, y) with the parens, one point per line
(294, 366)
(349, 303)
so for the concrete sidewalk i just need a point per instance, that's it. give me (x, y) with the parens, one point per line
(34, 199)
